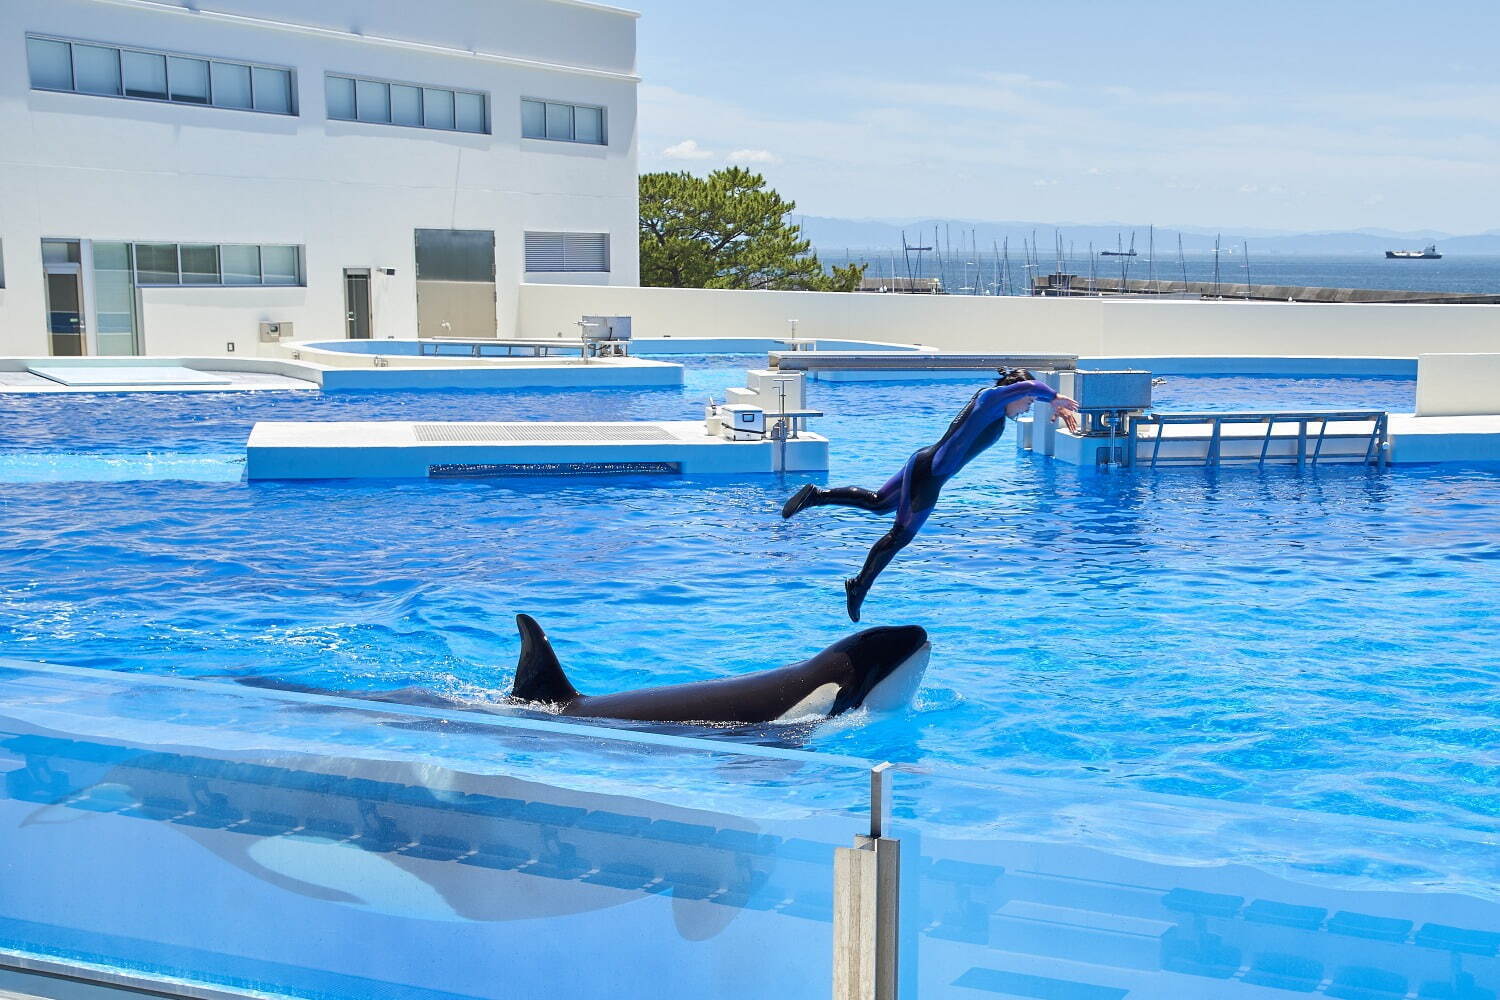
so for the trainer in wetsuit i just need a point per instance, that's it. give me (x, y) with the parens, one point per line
(913, 491)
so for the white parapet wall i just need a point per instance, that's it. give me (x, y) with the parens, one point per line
(1098, 326)
(395, 449)
(1458, 385)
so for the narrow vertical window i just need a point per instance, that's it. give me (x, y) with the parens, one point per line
(231, 85)
(406, 105)
(272, 90)
(96, 70)
(372, 101)
(51, 64)
(188, 79)
(145, 74)
(533, 120)
(588, 125)
(340, 97)
(114, 299)
(559, 121)
(439, 107)
(469, 112)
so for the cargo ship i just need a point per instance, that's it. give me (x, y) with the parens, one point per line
(1431, 253)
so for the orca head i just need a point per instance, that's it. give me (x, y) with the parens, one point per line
(885, 667)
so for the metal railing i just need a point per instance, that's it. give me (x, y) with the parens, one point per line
(1302, 449)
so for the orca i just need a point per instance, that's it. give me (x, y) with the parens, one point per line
(877, 668)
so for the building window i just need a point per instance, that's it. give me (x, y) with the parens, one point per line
(148, 75)
(217, 264)
(567, 252)
(384, 102)
(564, 122)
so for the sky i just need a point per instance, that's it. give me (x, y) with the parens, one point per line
(1310, 116)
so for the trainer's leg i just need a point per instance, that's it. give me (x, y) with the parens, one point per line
(909, 521)
(879, 501)
(880, 556)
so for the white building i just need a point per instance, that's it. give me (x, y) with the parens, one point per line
(173, 174)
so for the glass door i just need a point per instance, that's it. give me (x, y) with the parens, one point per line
(357, 302)
(64, 274)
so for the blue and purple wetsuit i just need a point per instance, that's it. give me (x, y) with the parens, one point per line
(913, 492)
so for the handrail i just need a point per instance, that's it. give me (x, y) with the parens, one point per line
(1377, 437)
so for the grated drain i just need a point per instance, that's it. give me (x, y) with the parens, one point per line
(538, 433)
(554, 469)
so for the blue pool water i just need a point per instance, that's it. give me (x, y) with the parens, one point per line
(1322, 639)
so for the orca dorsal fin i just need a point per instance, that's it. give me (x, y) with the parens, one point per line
(539, 677)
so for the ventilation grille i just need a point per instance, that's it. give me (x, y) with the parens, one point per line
(567, 251)
(472, 471)
(541, 433)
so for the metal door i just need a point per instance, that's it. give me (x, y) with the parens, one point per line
(357, 302)
(456, 283)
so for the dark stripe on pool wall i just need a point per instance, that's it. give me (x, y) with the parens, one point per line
(555, 469)
(1019, 984)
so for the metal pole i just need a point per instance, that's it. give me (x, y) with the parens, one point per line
(866, 904)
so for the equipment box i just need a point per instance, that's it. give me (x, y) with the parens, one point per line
(742, 423)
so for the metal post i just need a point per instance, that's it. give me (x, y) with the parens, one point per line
(866, 904)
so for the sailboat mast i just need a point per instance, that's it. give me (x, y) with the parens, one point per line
(1151, 256)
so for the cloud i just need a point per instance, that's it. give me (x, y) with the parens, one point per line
(1308, 161)
(687, 149)
(753, 156)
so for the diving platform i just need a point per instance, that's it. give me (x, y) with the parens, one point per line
(874, 366)
(431, 449)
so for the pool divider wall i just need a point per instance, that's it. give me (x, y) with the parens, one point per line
(407, 450)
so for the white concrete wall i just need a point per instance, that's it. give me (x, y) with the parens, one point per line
(106, 168)
(1458, 385)
(1085, 326)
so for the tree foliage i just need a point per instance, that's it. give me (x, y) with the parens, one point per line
(727, 230)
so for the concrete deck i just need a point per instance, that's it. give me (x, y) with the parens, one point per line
(1417, 440)
(407, 450)
(225, 381)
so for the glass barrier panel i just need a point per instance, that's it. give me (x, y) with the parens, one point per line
(1044, 889)
(327, 848)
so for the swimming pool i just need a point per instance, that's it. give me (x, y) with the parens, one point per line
(1321, 639)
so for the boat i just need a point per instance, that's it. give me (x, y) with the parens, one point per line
(1430, 253)
(1117, 253)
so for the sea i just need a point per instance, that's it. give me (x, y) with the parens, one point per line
(986, 273)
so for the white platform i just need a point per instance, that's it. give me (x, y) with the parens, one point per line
(94, 375)
(407, 450)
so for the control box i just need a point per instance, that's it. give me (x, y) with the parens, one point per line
(739, 422)
(1107, 390)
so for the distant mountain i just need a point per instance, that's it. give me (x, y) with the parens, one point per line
(832, 235)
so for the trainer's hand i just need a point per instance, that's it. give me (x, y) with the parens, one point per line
(1066, 408)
